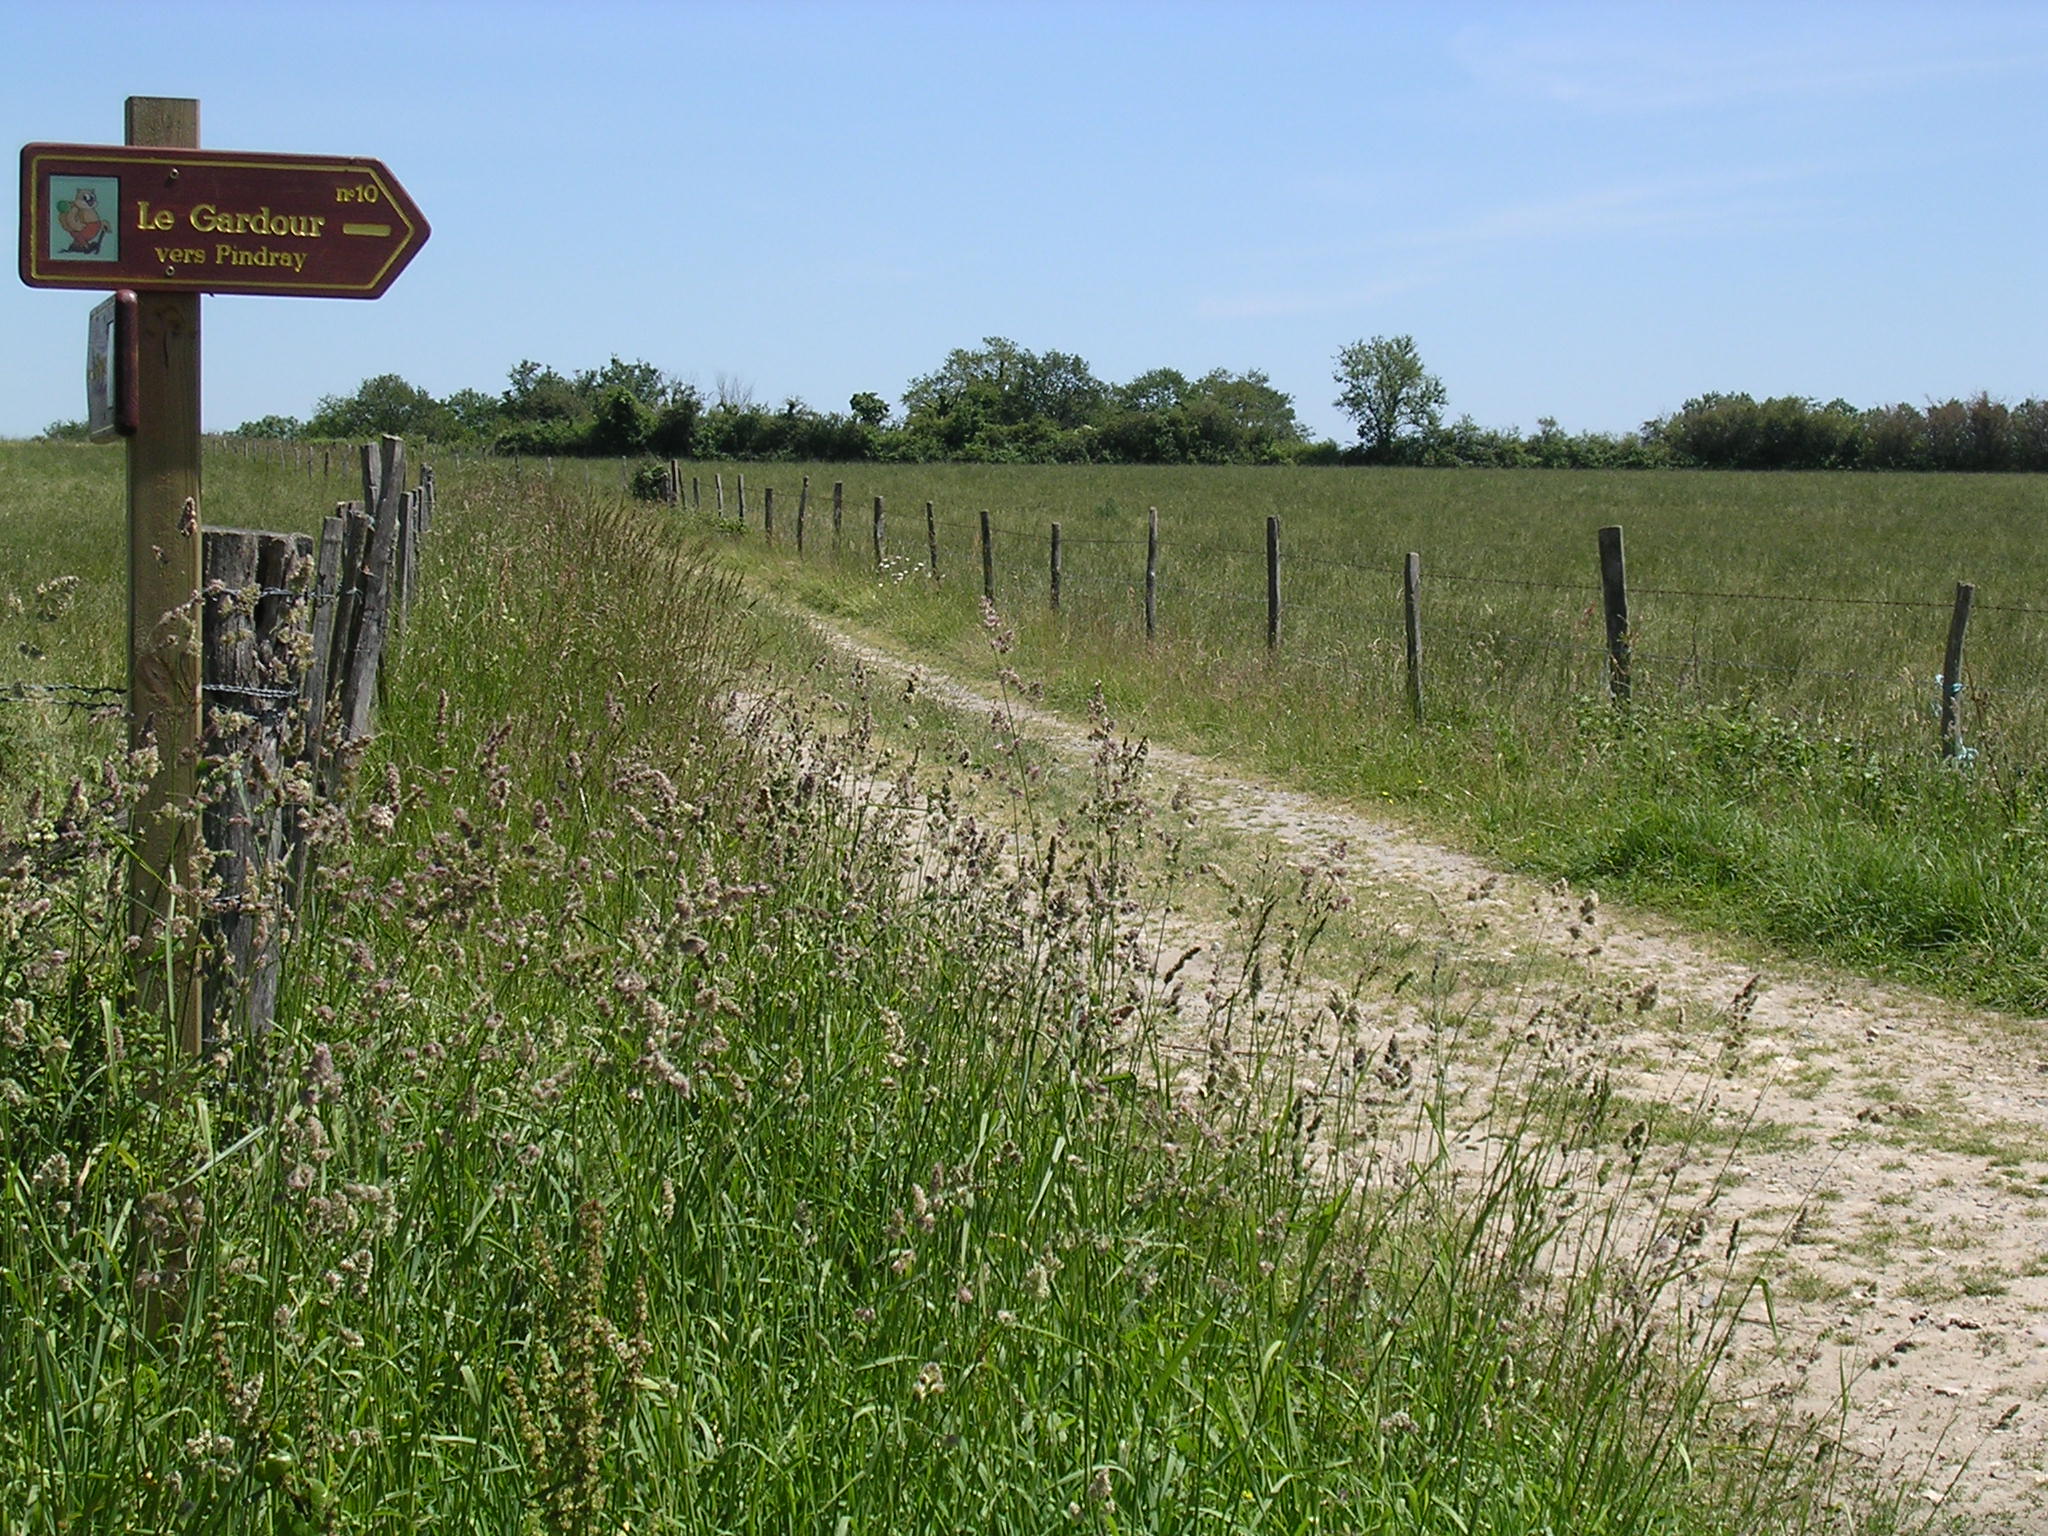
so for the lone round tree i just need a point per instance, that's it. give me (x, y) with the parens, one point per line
(1384, 388)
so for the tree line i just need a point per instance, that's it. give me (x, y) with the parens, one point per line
(1003, 403)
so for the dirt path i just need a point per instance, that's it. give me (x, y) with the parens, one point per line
(1890, 1149)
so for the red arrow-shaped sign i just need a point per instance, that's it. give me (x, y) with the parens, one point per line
(209, 221)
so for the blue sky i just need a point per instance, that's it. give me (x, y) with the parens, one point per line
(1587, 212)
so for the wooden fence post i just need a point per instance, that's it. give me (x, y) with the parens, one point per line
(1411, 587)
(1273, 582)
(1055, 567)
(329, 577)
(257, 588)
(878, 533)
(803, 505)
(718, 485)
(988, 560)
(1952, 672)
(675, 483)
(1614, 597)
(931, 537)
(742, 497)
(1151, 572)
(373, 615)
(838, 501)
(767, 514)
(696, 494)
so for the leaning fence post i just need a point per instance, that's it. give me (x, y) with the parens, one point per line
(718, 485)
(988, 560)
(767, 514)
(931, 537)
(1614, 597)
(1273, 582)
(1411, 586)
(878, 533)
(1055, 567)
(1951, 681)
(742, 497)
(1151, 572)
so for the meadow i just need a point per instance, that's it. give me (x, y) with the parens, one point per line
(661, 1133)
(1776, 776)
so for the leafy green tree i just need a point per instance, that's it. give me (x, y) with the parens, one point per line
(1262, 414)
(623, 423)
(386, 403)
(534, 392)
(642, 380)
(478, 415)
(675, 424)
(65, 432)
(869, 409)
(275, 427)
(1008, 385)
(1395, 401)
(1157, 389)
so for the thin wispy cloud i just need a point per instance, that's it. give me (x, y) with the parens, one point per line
(1323, 279)
(1753, 201)
(1598, 62)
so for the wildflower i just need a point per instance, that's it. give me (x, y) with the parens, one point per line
(322, 1081)
(1099, 1489)
(931, 1381)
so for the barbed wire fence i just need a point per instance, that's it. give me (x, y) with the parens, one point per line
(1493, 638)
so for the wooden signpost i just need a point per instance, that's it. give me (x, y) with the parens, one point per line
(170, 217)
(160, 220)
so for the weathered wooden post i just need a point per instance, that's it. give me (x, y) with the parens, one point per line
(164, 669)
(256, 618)
(1411, 589)
(383, 479)
(718, 485)
(675, 483)
(931, 537)
(1055, 567)
(741, 497)
(1614, 598)
(878, 533)
(838, 501)
(1151, 572)
(767, 514)
(803, 505)
(1273, 583)
(988, 560)
(1952, 671)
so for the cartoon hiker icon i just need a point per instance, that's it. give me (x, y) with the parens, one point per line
(79, 217)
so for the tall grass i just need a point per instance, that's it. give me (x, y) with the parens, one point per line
(1777, 774)
(666, 1130)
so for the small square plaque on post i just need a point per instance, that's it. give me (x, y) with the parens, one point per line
(111, 407)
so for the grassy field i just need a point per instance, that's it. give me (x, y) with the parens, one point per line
(658, 1135)
(1777, 775)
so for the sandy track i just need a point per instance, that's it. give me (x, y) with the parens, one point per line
(1896, 1158)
